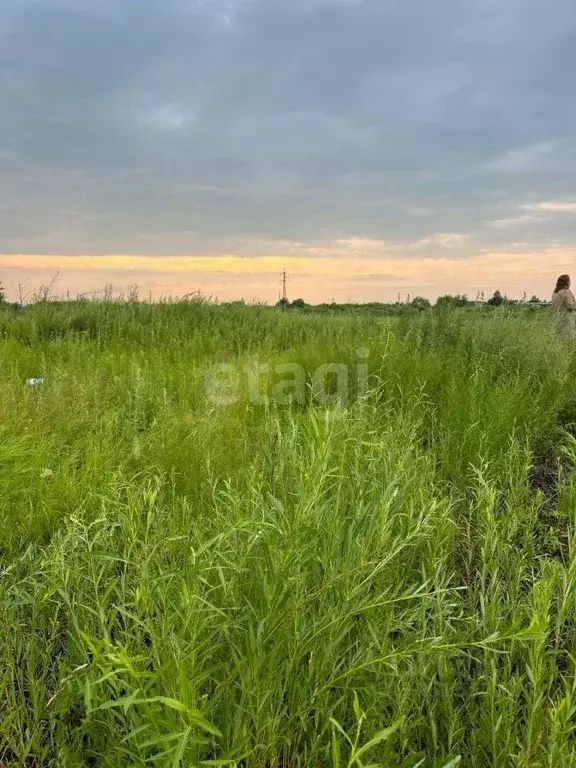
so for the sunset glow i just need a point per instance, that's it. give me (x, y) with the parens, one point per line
(365, 277)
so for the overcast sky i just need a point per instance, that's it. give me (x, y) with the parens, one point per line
(369, 146)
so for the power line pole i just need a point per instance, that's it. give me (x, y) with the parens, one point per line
(284, 292)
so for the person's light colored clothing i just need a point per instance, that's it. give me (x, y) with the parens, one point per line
(564, 305)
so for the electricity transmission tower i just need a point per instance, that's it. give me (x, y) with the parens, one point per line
(284, 299)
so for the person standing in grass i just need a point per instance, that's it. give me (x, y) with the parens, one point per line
(564, 305)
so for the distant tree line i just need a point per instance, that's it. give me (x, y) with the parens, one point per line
(418, 303)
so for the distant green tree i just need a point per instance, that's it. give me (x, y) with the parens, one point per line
(2, 294)
(534, 300)
(298, 304)
(283, 303)
(459, 300)
(496, 300)
(419, 302)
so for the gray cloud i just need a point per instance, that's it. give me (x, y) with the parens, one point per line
(178, 125)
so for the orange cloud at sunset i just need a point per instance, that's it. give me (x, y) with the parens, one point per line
(359, 271)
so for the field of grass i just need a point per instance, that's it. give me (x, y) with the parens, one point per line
(385, 582)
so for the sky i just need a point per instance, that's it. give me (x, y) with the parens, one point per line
(368, 147)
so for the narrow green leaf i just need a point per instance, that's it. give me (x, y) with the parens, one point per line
(335, 751)
(181, 748)
(378, 738)
(452, 763)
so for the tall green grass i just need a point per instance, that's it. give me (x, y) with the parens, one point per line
(257, 585)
